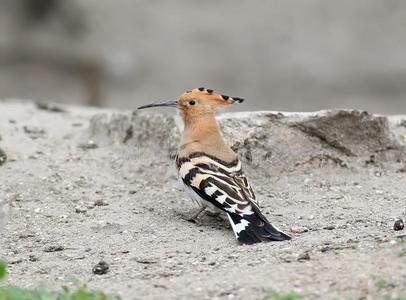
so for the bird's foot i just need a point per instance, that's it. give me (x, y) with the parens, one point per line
(194, 218)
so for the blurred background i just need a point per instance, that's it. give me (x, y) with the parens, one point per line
(300, 55)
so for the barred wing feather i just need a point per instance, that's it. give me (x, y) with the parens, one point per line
(225, 186)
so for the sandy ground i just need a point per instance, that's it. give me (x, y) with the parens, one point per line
(72, 204)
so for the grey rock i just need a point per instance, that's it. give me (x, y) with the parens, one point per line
(100, 202)
(299, 229)
(3, 157)
(34, 132)
(51, 107)
(80, 209)
(329, 227)
(90, 144)
(303, 256)
(54, 248)
(350, 131)
(398, 225)
(285, 141)
(101, 268)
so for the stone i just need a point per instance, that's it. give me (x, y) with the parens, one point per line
(299, 229)
(398, 225)
(80, 209)
(3, 157)
(303, 256)
(101, 268)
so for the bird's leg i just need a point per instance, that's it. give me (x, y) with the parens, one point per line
(194, 217)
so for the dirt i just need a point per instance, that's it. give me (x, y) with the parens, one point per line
(84, 187)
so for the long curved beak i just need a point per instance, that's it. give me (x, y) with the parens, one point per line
(168, 103)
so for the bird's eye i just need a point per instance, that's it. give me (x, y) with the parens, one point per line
(192, 102)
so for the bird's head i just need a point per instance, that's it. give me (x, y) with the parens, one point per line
(198, 101)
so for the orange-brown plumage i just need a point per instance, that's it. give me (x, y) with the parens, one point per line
(201, 132)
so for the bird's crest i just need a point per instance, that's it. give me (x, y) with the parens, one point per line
(208, 94)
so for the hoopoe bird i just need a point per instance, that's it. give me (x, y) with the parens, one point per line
(210, 170)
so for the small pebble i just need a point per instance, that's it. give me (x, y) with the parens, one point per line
(329, 227)
(33, 258)
(303, 256)
(100, 202)
(80, 209)
(3, 157)
(15, 261)
(299, 229)
(326, 248)
(54, 248)
(399, 225)
(101, 268)
(50, 107)
(90, 205)
(88, 145)
(287, 258)
(33, 130)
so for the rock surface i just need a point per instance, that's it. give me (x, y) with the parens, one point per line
(270, 140)
(339, 174)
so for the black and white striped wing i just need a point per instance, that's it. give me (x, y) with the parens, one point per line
(225, 186)
(221, 184)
